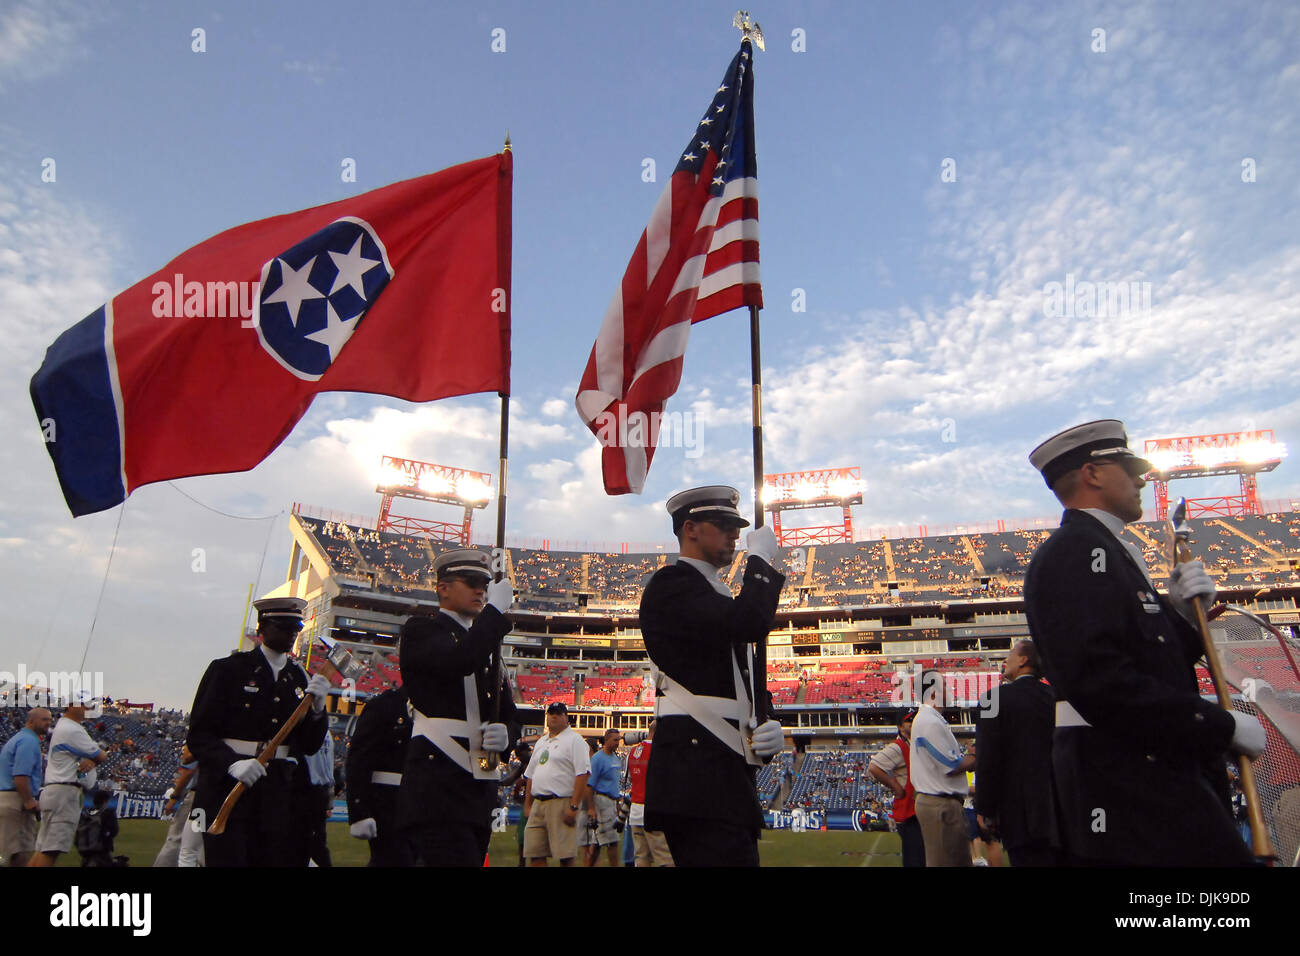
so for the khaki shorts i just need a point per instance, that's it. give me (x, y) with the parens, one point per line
(651, 847)
(60, 812)
(606, 833)
(17, 827)
(546, 833)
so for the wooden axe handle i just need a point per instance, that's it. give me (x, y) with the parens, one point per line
(1261, 843)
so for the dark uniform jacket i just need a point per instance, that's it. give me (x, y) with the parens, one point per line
(691, 633)
(1013, 763)
(240, 698)
(436, 655)
(1145, 783)
(378, 744)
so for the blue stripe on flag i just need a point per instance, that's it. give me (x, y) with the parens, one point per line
(73, 396)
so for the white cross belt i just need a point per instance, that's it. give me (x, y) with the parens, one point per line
(442, 731)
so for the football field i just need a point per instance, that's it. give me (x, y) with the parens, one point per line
(140, 840)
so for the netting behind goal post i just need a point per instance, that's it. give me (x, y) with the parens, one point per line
(1264, 683)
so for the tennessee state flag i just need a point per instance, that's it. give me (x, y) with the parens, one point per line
(206, 365)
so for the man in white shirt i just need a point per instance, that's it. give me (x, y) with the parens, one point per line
(72, 752)
(939, 777)
(557, 777)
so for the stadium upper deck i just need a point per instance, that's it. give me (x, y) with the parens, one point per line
(853, 620)
(1241, 552)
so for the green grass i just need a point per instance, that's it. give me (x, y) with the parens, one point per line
(141, 839)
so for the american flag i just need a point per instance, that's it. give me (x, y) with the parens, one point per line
(697, 258)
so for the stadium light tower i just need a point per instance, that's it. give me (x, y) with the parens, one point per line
(819, 488)
(425, 481)
(1245, 454)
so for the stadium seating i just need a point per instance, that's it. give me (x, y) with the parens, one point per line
(143, 749)
(542, 684)
(838, 780)
(772, 776)
(926, 569)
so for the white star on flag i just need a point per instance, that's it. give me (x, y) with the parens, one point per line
(351, 269)
(336, 332)
(295, 286)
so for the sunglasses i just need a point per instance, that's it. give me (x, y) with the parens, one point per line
(475, 581)
(722, 524)
(284, 624)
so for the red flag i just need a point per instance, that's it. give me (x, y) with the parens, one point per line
(697, 258)
(206, 365)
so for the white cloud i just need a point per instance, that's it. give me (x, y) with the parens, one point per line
(1121, 195)
(313, 70)
(39, 39)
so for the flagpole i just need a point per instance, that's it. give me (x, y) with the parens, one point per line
(756, 412)
(502, 458)
(503, 455)
(751, 32)
(758, 677)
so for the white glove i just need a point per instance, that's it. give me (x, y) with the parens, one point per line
(364, 829)
(495, 737)
(501, 594)
(319, 686)
(1189, 580)
(768, 739)
(1248, 736)
(247, 772)
(761, 543)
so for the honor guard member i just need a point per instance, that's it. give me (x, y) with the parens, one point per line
(449, 787)
(1137, 754)
(700, 779)
(376, 757)
(242, 702)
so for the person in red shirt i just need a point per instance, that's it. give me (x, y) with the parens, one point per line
(651, 846)
(892, 766)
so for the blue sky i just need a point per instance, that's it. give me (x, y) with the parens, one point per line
(924, 355)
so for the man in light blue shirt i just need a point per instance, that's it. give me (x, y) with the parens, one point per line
(601, 800)
(22, 773)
